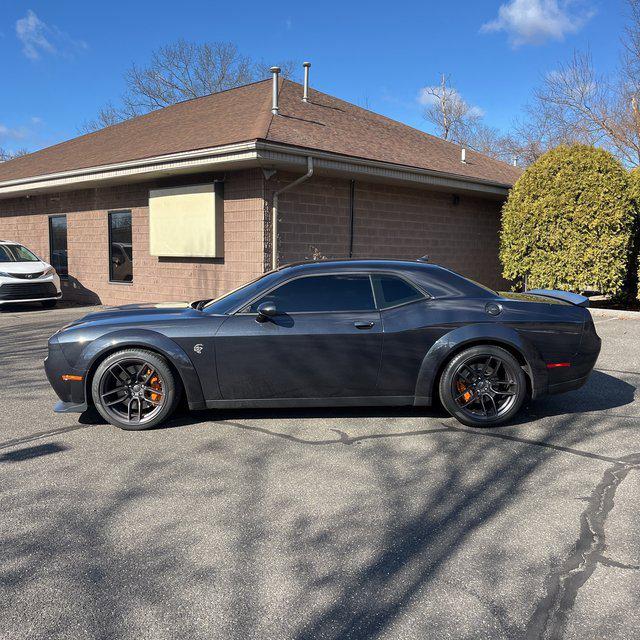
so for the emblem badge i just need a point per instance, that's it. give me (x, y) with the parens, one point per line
(198, 348)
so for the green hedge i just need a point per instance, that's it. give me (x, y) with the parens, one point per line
(568, 222)
(634, 257)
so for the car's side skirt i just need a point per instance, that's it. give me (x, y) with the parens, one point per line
(362, 401)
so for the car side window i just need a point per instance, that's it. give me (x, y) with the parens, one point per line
(321, 293)
(392, 291)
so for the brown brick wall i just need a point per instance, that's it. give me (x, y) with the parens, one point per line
(154, 279)
(391, 222)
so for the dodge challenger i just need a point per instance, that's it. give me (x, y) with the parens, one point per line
(329, 333)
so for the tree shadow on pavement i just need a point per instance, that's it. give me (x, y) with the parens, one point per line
(267, 531)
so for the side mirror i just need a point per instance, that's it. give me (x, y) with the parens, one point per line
(266, 310)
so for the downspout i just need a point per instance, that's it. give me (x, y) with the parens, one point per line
(352, 198)
(274, 215)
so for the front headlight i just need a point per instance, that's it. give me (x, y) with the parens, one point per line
(50, 271)
(4, 274)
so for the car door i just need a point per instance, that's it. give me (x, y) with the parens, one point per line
(409, 332)
(324, 341)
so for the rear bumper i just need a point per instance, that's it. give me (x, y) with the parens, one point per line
(567, 385)
(575, 376)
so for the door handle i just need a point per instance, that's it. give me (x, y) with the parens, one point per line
(363, 325)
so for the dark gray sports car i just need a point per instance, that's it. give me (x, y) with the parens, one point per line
(330, 333)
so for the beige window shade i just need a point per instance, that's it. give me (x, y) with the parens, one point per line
(187, 221)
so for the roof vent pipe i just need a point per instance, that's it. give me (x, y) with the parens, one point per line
(463, 156)
(274, 104)
(305, 95)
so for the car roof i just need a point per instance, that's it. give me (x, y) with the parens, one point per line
(437, 280)
(357, 263)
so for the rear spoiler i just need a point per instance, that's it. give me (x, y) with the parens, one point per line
(566, 296)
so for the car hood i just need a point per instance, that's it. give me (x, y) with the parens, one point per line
(136, 313)
(24, 267)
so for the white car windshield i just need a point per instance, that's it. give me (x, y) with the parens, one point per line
(16, 253)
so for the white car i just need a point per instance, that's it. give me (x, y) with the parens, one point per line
(26, 278)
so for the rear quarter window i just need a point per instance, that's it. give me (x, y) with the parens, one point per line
(392, 291)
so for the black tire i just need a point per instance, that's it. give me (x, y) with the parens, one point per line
(118, 404)
(483, 386)
(49, 304)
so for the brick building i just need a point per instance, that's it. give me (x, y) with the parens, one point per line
(179, 204)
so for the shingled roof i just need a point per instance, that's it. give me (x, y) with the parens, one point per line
(244, 114)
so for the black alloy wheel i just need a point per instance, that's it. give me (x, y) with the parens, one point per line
(134, 389)
(484, 385)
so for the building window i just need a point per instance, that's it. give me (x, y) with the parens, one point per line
(58, 245)
(120, 251)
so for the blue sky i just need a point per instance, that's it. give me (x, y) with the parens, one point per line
(61, 61)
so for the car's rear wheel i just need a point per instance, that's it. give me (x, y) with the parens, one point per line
(483, 386)
(135, 389)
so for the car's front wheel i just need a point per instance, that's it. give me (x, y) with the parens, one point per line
(134, 389)
(483, 386)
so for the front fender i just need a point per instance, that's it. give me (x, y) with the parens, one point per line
(141, 338)
(455, 340)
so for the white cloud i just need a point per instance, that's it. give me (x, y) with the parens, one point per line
(22, 134)
(38, 38)
(9, 133)
(536, 21)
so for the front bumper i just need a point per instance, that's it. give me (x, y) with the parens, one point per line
(70, 407)
(55, 365)
(14, 291)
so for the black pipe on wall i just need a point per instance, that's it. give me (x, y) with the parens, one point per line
(352, 199)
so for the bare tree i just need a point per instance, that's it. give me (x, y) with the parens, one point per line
(458, 121)
(182, 71)
(5, 154)
(447, 110)
(490, 141)
(535, 133)
(577, 104)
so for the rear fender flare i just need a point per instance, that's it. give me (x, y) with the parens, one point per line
(456, 339)
(154, 341)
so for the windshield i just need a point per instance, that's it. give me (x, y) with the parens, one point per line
(229, 301)
(16, 253)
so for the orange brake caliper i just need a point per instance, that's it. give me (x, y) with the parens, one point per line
(154, 383)
(462, 388)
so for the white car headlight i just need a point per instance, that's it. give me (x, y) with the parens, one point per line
(4, 274)
(49, 272)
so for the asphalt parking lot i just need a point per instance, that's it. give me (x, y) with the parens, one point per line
(319, 524)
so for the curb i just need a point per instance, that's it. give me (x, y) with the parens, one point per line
(615, 313)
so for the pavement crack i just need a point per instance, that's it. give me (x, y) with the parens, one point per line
(550, 617)
(32, 437)
(608, 562)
